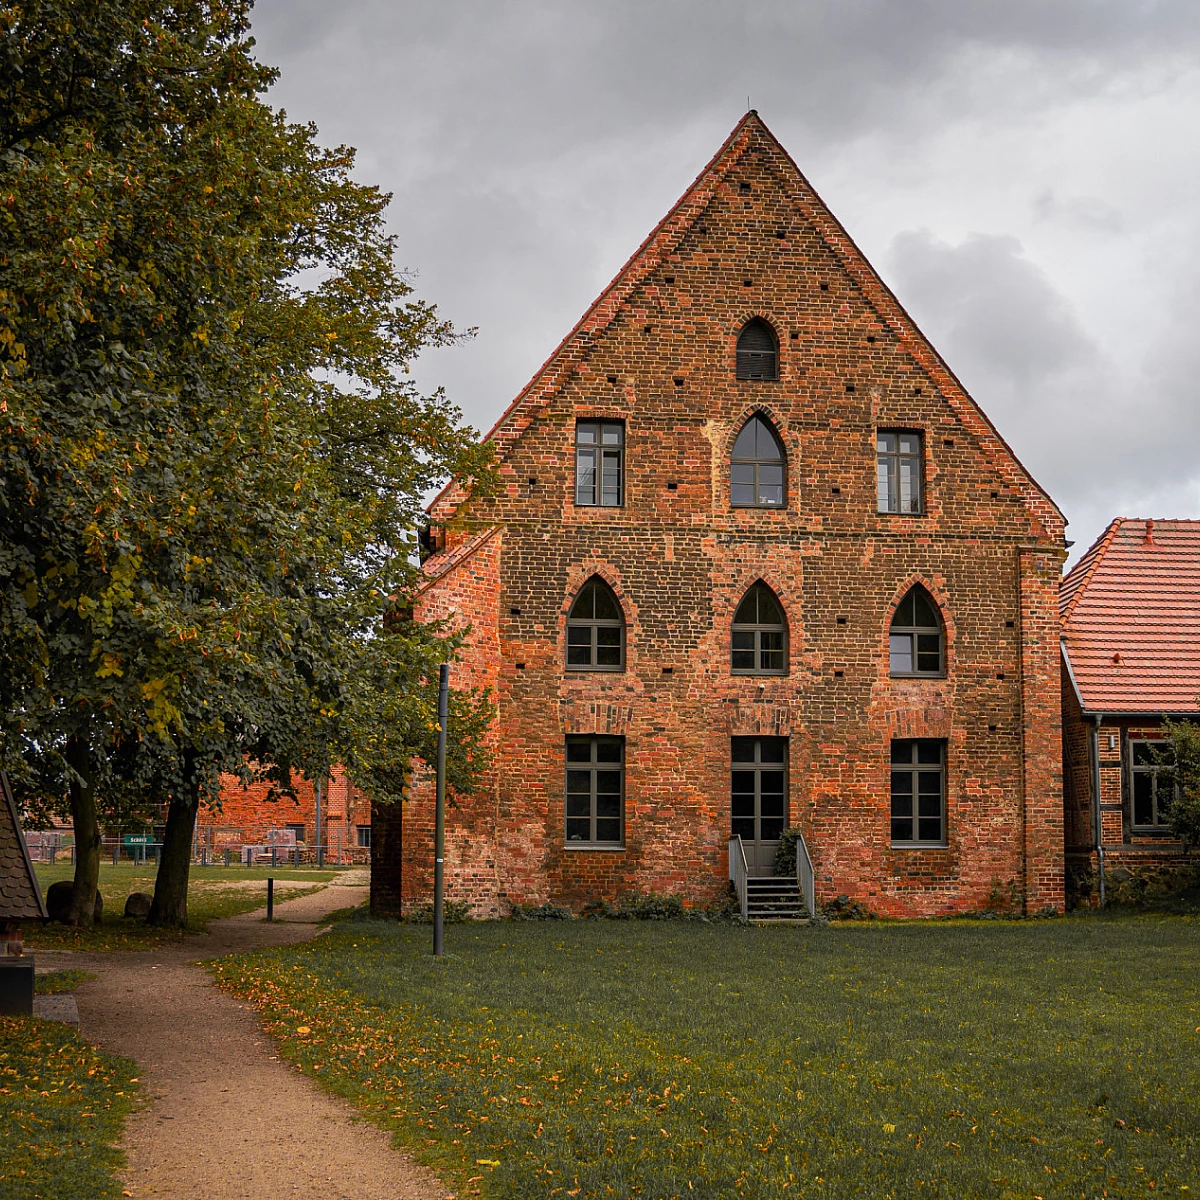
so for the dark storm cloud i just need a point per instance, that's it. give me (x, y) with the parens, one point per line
(531, 146)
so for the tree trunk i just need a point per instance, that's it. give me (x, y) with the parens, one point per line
(387, 821)
(175, 859)
(87, 835)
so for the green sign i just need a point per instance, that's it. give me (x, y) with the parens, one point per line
(137, 839)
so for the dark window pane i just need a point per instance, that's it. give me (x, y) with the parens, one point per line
(580, 751)
(743, 639)
(744, 828)
(743, 660)
(772, 750)
(579, 656)
(608, 806)
(770, 828)
(579, 635)
(578, 830)
(579, 782)
(929, 805)
(608, 656)
(929, 752)
(902, 800)
(608, 750)
(903, 751)
(604, 603)
(743, 749)
(1143, 755)
(923, 614)
(929, 829)
(608, 635)
(1143, 798)
(579, 805)
(608, 781)
(901, 830)
(608, 831)
(771, 660)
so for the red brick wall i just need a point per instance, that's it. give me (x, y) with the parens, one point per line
(245, 814)
(680, 558)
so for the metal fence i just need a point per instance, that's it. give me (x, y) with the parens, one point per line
(210, 848)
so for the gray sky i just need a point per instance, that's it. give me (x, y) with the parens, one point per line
(1023, 173)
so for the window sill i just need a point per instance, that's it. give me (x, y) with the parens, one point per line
(594, 670)
(758, 507)
(744, 674)
(920, 845)
(611, 847)
(881, 512)
(916, 675)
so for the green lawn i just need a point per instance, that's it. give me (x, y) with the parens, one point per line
(617, 1059)
(212, 892)
(62, 1104)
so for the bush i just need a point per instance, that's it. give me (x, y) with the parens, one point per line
(785, 852)
(842, 908)
(540, 912)
(454, 912)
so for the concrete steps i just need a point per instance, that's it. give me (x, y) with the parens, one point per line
(774, 900)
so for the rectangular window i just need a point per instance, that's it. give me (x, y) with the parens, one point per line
(899, 471)
(595, 791)
(1153, 785)
(600, 463)
(298, 830)
(919, 793)
(364, 835)
(758, 788)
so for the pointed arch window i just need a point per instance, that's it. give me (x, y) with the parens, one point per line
(759, 644)
(596, 629)
(757, 351)
(917, 639)
(757, 467)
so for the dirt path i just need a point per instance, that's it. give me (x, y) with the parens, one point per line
(227, 1118)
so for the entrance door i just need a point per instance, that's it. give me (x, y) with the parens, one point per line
(758, 798)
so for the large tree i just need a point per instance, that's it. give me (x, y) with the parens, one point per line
(214, 454)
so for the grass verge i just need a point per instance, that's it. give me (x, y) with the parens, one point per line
(62, 1104)
(213, 892)
(597, 1059)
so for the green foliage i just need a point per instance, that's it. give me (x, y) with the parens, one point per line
(540, 912)
(842, 908)
(1182, 754)
(785, 852)
(62, 1107)
(454, 912)
(669, 1060)
(212, 455)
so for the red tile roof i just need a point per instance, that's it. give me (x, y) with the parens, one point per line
(1131, 618)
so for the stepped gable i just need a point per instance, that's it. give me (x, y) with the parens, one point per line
(752, 137)
(20, 896)
(1131, 618)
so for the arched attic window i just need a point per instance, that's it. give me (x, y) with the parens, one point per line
(757, 351)
(759, 643)
(917, 640)
(756, 467)
(596, 629)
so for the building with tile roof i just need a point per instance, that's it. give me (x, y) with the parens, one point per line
(20, 896)
(756, 560)
(1130, 656)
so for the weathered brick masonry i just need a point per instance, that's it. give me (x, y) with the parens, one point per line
(657, 352)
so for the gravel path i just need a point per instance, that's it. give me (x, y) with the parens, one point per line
(226, 1118)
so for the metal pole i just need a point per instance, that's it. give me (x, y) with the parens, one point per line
(320, 853)
(439, 834)
(270, 899)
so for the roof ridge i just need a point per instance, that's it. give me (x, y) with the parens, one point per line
(433, 569)
(671, 229)
(1080, 575)
(624, 276)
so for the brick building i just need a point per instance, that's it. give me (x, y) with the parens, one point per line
(1130, 656)
(247, 816)
(756, 561)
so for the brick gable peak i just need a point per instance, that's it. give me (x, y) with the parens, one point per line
(664, 240)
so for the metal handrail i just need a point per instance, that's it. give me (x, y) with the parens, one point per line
(806, 879)
(739, 872)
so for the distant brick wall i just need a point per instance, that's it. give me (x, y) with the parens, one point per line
(245, 813)
(658, 353)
